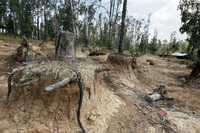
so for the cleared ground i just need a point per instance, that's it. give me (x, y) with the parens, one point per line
(116, 104)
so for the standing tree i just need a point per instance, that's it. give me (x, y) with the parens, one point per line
(122, 29)
(88, 11)
(21, 17)
(3, 7)
(190, 11)
(174, 45)
(145, 37)
(153, 46)
(112, 21)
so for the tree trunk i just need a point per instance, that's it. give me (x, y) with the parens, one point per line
(110, 23)
(122, 29)
(100, 27)
(38, 28)
(196, 66)
(87, 40)
(45, 25)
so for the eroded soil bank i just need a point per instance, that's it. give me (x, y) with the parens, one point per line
(113, 101)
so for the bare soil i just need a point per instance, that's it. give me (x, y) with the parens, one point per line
(113, 101)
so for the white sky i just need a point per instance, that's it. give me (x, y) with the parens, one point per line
(165, 15)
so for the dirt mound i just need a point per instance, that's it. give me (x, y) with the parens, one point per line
(122, 60)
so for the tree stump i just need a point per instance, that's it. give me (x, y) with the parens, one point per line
(65, 46)
(45, 77)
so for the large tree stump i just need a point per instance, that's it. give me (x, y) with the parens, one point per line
(48, 77)
(65, 45)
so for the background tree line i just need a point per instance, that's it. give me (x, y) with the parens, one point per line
(93, 23)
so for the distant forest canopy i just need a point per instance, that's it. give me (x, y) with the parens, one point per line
(93, 24)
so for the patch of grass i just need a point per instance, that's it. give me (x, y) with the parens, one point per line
(16, 39)
(10, 38)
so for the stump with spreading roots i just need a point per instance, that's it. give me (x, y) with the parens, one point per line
(48, 77)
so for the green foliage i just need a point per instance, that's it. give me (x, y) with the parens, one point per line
(92, 23)
(50, 30)
(3, 7)
(65, 17)
(173, 45)
(26, 20)
(190, 11)
(10, 38)
(143, 47)
(143, 44)
(10, 25)
(153, 46)
(183, 46)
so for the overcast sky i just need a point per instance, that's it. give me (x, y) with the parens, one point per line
(165, 16)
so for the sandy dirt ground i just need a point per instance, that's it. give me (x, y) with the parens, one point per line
(113, 101)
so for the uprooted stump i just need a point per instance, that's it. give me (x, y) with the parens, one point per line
(122, 60)
(46, 77)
